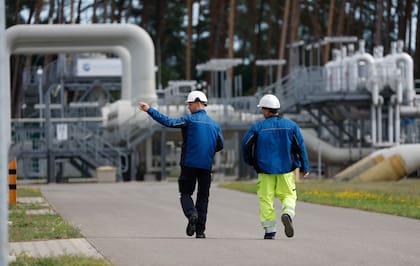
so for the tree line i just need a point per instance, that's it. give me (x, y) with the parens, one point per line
(190, 32)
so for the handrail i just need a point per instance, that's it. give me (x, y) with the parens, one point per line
(98, 145)
(80, 138)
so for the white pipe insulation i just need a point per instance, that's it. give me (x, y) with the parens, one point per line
(361, 69)
(410, 111)
(130, 42)
(404, 63)
(386, 164)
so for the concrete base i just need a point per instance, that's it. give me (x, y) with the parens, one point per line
(106, 174)
(150, 177)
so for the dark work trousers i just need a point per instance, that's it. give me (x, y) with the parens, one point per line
(187, 180)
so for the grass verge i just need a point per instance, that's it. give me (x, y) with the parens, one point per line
(36, 227)
(400, 198)
(66, 260)
(26, 227)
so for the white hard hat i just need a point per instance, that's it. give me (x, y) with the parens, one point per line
(196, 96)
(269, 101)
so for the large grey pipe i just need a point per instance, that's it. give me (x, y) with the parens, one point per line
(4, 139)
(331, 154)
(131, 43)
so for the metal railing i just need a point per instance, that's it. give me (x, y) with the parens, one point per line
(82, 142)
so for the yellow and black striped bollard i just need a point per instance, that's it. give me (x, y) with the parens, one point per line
(12, 182)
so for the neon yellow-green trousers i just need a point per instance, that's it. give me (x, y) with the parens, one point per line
(281, 186)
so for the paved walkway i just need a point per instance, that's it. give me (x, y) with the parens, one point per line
(142, 224)
(52, 248)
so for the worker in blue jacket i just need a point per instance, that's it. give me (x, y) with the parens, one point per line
(275, 148)
(202, 138)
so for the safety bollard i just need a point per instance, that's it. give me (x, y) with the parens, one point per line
(12, 182)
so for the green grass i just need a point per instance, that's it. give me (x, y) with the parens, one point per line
(43, 227)
(28, 192)
(36, 227)
(24, 260)
(400, 198)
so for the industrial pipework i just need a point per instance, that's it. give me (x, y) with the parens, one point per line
(130, 42)
(385, 164)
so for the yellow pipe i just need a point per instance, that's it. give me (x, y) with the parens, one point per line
(12, 182)
(359, 167)
(391, 169)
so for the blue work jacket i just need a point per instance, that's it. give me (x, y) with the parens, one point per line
(275, 146)
(202, 137)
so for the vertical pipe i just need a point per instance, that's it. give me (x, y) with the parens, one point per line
(303, 56)
(235, 86)
(397, 113)
(4, 138)
(375, 100)
(163, 153)
(48, 137)
(133, 163)
(359, 137)
(391, 123)
(373, 123)
(237, 145)
(61, 73)
(379, 113)
(318, 55)
(397, 123)
(39, 73)
(219, 84)
(399, 93)
(319, 160)
(310, 56)
(149, 159)
(212, 86)
(216, 84)
(240, 86)
(62, 96)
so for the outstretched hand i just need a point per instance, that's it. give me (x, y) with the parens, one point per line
(144, 106)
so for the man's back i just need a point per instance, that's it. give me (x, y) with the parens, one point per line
(202, 139)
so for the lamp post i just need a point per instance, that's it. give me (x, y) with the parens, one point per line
(318, 56)
(338, 39)
(48, 137)
(39, 73)
(294, 47)
(221, 65)
(270, 63)
(309, 48)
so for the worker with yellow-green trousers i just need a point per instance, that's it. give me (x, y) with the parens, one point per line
(275, 148)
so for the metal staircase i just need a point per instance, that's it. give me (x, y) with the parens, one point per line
(85, 148)
(35, 136)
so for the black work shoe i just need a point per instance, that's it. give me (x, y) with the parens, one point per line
(271, 235)
(191, 225)
(200, 235)
(288, 226)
